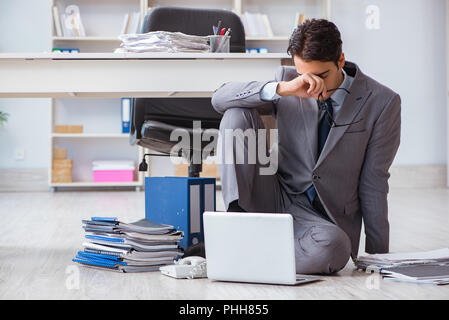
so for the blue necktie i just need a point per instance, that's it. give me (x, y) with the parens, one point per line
(323, 131)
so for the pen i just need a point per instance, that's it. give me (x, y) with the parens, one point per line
(222, 31)
(224, 40)
(218, 25)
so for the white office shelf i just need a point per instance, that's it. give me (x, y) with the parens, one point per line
(116, 39)
(90, 135)
(102, 20)
(275, 38)
(96, 184)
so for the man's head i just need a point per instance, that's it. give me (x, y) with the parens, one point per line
(316, 47)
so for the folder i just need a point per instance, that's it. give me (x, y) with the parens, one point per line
(128, 247)
(126, 112)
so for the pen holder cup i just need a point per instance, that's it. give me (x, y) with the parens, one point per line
(219, 43)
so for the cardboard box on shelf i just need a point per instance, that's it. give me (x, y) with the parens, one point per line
(75, 129)
(59, 153)
(59, 179)
(62, 128)
(61, 172)
(62, 163)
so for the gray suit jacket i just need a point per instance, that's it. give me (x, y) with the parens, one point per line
(351, 174)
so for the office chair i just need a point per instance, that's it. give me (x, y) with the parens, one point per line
(153, 119)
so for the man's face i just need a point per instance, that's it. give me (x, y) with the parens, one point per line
(328, 71)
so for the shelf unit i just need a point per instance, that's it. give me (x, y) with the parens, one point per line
(320, 8)
(85, 147)
(101, 118)
(103, 21)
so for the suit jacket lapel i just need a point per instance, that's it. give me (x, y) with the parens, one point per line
(349, 110)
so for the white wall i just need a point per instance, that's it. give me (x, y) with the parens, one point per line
(25, 27)
(407, 54)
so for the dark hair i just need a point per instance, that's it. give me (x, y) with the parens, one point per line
(316, 39)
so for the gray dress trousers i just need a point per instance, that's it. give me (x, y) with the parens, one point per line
(321, 247)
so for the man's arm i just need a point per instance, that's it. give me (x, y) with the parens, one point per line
(241, 95)
(264, 95)
(373, 186)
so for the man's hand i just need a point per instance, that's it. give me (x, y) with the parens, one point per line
(306, 85)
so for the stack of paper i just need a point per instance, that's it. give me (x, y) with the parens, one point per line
(399, 259)
(128, 247)
(163, 41)
(420, 267)
(418, 273)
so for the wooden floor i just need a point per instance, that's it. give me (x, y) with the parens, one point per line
(41, 233)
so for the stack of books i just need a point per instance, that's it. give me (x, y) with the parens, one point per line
(128, 247)
(256, 25)
(68, 24)
(131, 23)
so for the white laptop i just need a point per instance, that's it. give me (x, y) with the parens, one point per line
(251, 247)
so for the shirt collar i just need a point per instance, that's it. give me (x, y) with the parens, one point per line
(339, 95)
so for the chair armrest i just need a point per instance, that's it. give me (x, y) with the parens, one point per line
(137, 120)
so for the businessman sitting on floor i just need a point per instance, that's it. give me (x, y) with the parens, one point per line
(338, 133)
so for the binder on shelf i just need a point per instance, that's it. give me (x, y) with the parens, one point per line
(126, 114)
(126, 22)
(135, 23)
(131, 23)
(256, 24)
(71, 23)
(57, 21)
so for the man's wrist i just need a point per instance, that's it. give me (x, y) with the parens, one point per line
(281, 89)
(268, 92)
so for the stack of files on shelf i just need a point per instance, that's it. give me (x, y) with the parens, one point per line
(69, 23)
(128, 247)
(419, 267)
(163, 41)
